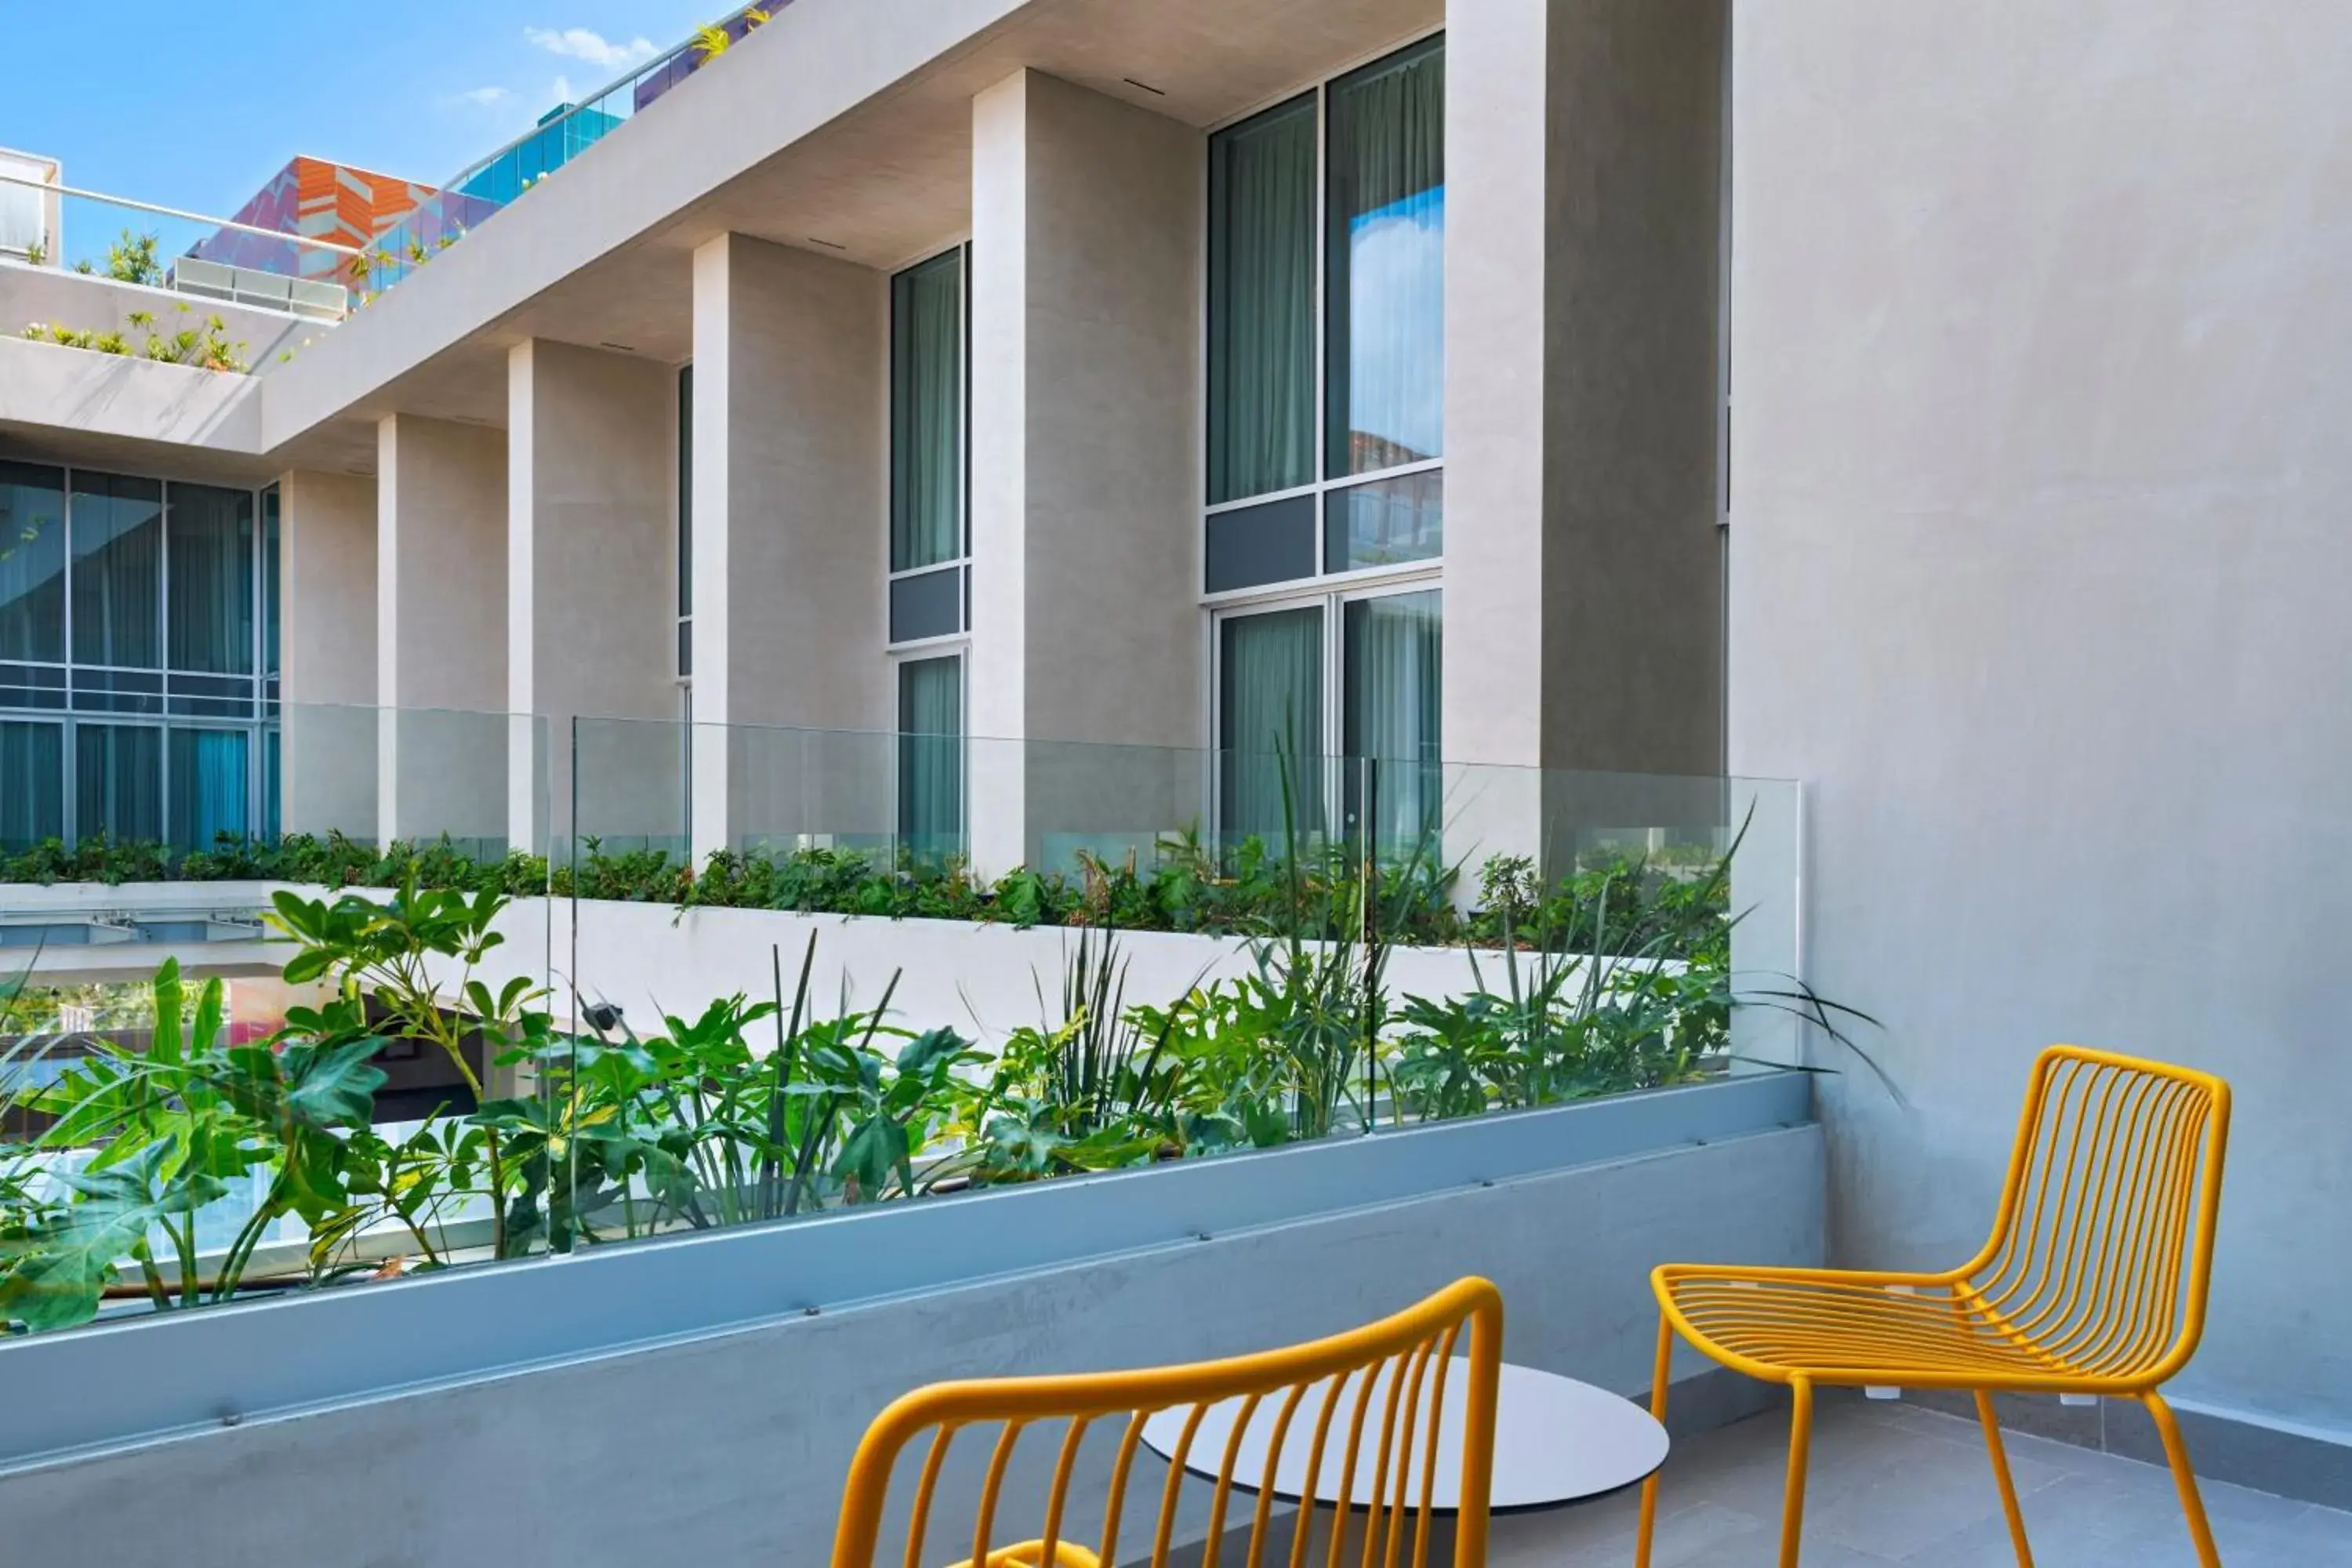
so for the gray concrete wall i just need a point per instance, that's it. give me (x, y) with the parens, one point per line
(789, 511)
(591, 575)
(730, 1448)
(441, 644)
(2038, 553)
(1086, 490)
(57, 295)
(1583, 189)
(327, 648)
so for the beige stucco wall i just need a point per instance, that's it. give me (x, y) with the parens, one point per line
(327, 597)
(789, 350)
(441, 642)
(591, 575)
(1085, 449)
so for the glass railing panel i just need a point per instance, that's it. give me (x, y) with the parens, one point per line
(208, 266)
(159, 998)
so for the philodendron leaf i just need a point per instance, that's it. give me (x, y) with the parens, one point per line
(60, 1275)
(875, 1149)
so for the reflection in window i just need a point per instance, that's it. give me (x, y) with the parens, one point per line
(118, 571)
(1262, 304)
(1386, 522)
(1385, 261)
(210, 620)
(32, 563)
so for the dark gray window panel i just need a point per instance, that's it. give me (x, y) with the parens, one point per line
(1386, 522)
(930, 605)
(1258, 544)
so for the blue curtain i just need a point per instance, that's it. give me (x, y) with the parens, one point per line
(930, 758)
(32, 784)
(209, 627)
(118, 781)
(209, 792)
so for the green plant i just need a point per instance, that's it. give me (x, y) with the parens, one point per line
(132, 260)
(205, 346)
(36, 253)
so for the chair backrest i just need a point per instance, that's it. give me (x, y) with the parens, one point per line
(1387, 1421)
(2102, 1253)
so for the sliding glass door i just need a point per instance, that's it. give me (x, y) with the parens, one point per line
(1270, 737)
(1327, 716)
(210, 788)
(930, 758)
(32, 783)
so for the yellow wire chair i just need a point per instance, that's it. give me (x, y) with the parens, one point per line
(2094, 1281)
(1403, 1351)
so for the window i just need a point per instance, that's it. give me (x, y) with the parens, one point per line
(929, 533)
(1328, 712)
(209, 598)
(32, 563)
(118, 781)
(1326, 312)
(117, 572)
(128, 607)
(32, 783)
(1325, 463)
(930, 757)
(686, 522)
(209, 788)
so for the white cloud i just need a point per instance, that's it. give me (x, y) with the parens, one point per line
(580, 43)
(484, 97)
(561, 89)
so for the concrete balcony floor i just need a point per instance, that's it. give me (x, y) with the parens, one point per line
(1895, 1484)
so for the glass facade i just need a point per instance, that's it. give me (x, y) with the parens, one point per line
(1325, 474)
(139, 652)
(930, 757)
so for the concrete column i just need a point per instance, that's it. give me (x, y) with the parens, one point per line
(1583, 560)
(591, 595)
(441, 643)
(1085, 488)
(790, 546)
(327, 653)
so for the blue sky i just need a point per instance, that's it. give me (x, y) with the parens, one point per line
(212, 100)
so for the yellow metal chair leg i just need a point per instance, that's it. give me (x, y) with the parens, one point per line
(1991, 1424)
(2175, 1453)
(1658, 1380)
(1800, 1440)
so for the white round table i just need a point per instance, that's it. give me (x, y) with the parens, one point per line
(1557, 1441)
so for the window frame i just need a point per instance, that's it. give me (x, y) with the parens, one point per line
(960, 564)
(1323, 487)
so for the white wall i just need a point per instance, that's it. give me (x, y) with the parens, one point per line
(591, 575)
(441, 644)
(159, 409)
(2043, 316)
(789, 349)
(327, 646)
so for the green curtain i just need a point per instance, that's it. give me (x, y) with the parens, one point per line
(1262, 304)
(1390, 726)
(927, 413)
(32, 784)
(270, 580)
(208, 625)
(118, 571)
(1384, 254)
(930, 757)
(32, 563)
(208, 786)
(118, 781)
(1270, 726)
